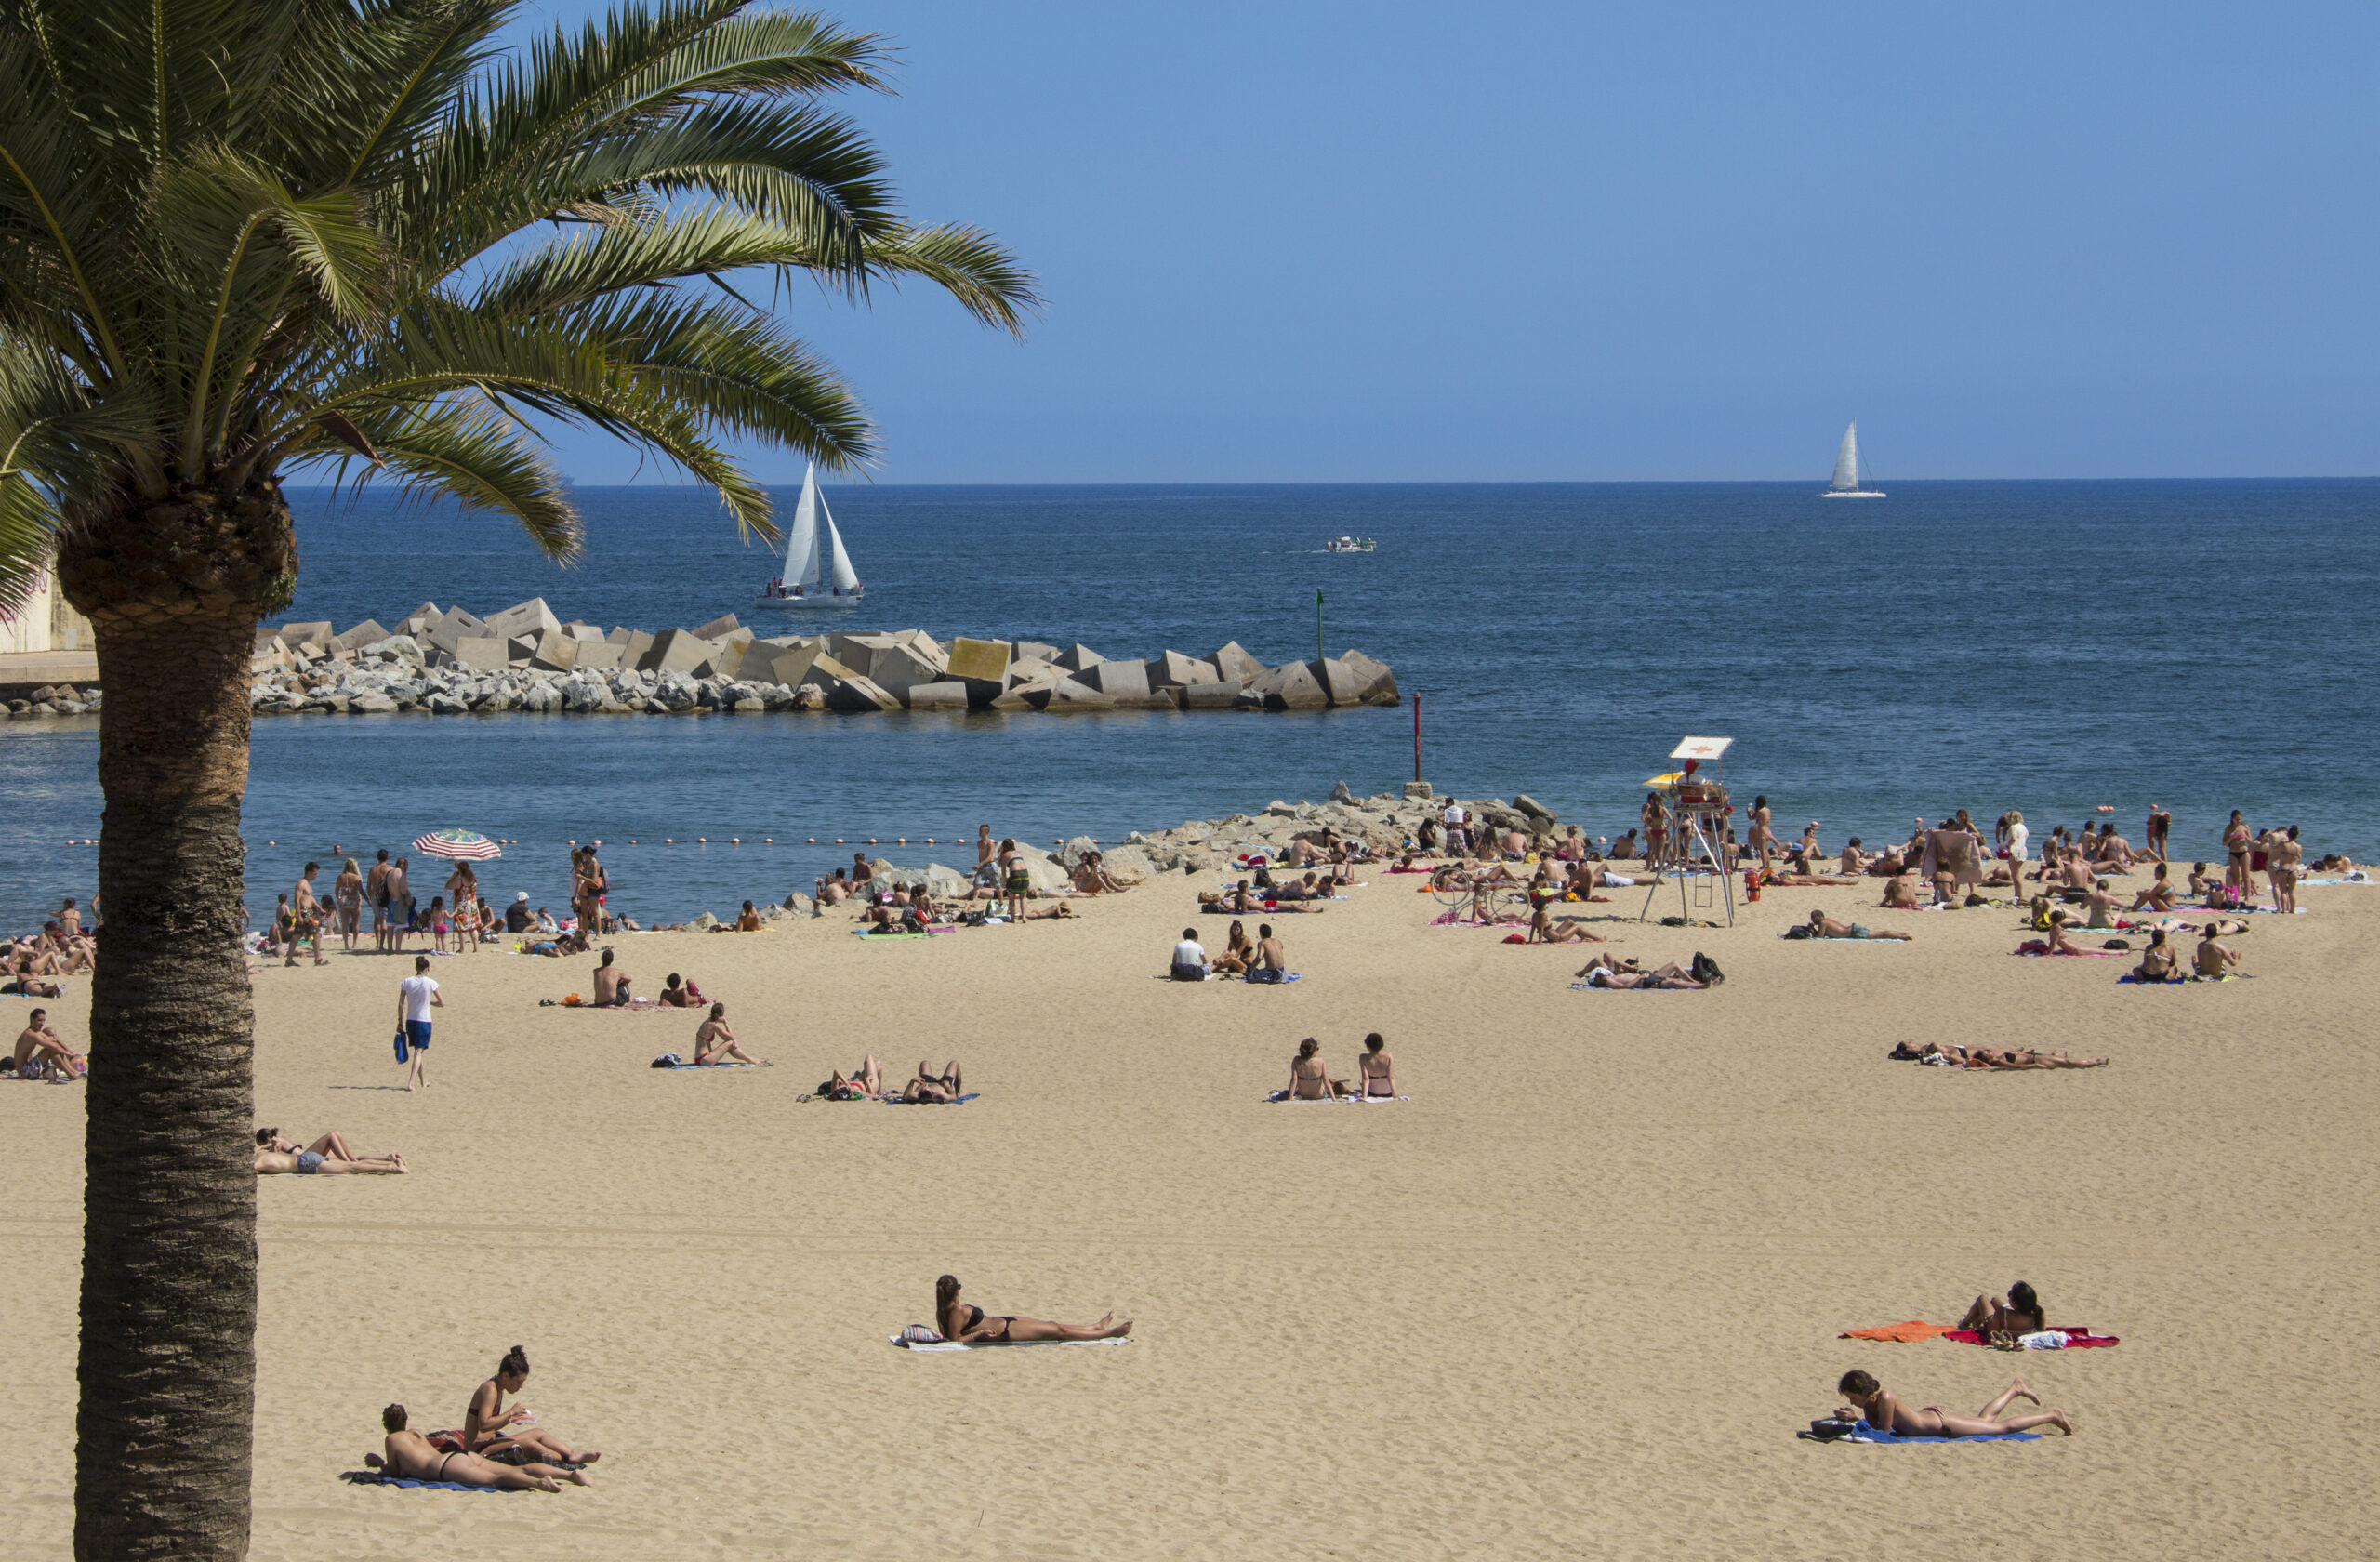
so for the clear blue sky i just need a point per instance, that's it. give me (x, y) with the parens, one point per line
(1390, 242)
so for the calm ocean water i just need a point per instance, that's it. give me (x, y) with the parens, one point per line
(2048, 646)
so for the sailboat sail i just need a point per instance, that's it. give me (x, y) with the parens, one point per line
(843, 578)
(801, 538)
(1847, 461)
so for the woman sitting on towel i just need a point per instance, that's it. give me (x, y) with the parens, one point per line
(1543, 929)
(1883, 1410)
(1310, 1077)
(2158, 962)
(493, 1432)
(714, 1044)
(1378, 1068)
(1239, 952)
(969, 1326)
(2020, 1314)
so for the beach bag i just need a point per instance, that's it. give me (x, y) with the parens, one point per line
(403, 1052)
(918, 1334)
(667, 1060)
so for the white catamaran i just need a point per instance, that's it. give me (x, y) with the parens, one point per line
(1846, 471)
(800, 583)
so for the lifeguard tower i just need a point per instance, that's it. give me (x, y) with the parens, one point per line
(1697, 796)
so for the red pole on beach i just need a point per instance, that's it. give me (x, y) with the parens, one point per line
(1417, 735)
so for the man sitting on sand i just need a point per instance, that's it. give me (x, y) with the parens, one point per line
(677, 993)
(408, 1456)
(2213, 960)
(326, 1157)
(714, 1044)
(1271, 964)
(1189, 958)
(749, 921)
(610, 983)
(1824, 926)
(1883, 1410)
(41, 1055)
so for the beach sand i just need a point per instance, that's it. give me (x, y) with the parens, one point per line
(1573, 1298)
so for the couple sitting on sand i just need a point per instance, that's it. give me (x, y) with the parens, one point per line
(1604, 972)
(327, 1157)
(495, 1446)
(867, 1082)
(2212, 960)
(1310, 1077)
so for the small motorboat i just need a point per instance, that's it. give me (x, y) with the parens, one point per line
(1349, 545)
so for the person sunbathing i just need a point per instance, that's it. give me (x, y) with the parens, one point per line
(1883, 1410)
(1900, 893)
(1823, 926)
(1543, 929)
(928, 1086)
(677, 993)
(881, 922)
(329, 1153)
(1604, 972)
(2058, 942)
(2099, 906)
(1058, 912)
(970, 1326)
(2158, 896)
(2020, 1314)
(2211, 960)
(509, 1437)
(24, 982)
(1310, 1077)
(1986, 1057)
(407, 1456)
(714, 1044)
(1378, 1068)
(861, 1083)
(2158, 962)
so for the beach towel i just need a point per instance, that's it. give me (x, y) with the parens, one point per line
(889, 937)
(2075, 1339)
(1910, 1333)
(669, 1060)
(1598, 987)
(374, 1477)
(2041, 947)
(1863, 1432)
(1285, 976)
(955, 1101)
(2139, 982)
(938, 1344)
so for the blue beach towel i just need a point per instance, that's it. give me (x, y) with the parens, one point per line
(374, 1478)
(1864, 1433)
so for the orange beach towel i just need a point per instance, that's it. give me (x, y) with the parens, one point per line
(1910, 1334)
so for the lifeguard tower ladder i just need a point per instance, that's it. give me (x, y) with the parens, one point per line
(1699, 808)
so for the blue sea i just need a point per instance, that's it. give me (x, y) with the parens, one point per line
(2050, 646)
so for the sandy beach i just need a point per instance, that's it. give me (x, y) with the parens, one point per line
(1573, 1298)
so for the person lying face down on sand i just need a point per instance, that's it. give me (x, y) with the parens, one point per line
(1604, 972)
(714, 1044)
(926, 1085)
(2020, 1314)
(2210, 958)
(329, 1156)
(408, 1456)
(507, 1436)
(1823, 926)
(1986, 1057)
(969, 1326)
(1883, 1410)
(1543, 929)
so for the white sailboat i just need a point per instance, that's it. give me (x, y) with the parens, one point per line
(802, 582)
(1846, 471)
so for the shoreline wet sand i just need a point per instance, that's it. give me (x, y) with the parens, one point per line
(1576, 1296)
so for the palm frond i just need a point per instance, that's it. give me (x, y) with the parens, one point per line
(466, 449)
(967, 263)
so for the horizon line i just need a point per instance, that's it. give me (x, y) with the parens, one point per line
(1817, 485)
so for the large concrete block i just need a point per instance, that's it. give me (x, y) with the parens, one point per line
(923, 646)
(531, 617)
(986, 659)
(428, 613)
(897, 668)
(577, 631)
(1122, 681)
(1067, 694)
(729, 652)
(364, 633)
(1172, 668)
(718, 628)
(1210, 697)
(633, 648)
(858, 651)
(1338, 680)
(1078, 657)
(597, 656)
(557, 652)
(857, 693)
(317, 633)
(1290, 686)
(518, 649)
(948, 696)
(481, 653)
(1034, 651)
(1234, 662)
(675, 651)
(1378, 683)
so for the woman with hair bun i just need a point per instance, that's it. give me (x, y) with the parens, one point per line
(2020, 1314)
(493, 1432)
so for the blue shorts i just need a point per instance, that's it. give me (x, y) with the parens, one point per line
(309, 1163)
(417, 1035)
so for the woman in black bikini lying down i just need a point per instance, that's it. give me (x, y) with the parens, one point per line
(409, 1457)
(969, 1326)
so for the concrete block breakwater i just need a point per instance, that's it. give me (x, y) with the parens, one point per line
(449, 661)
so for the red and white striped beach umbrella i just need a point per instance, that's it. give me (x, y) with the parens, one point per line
(457, 843)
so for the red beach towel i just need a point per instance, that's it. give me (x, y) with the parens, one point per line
(2076, 1339)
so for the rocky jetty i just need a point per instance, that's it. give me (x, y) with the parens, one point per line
(449, 661)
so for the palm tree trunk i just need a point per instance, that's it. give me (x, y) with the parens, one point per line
(167, 1369)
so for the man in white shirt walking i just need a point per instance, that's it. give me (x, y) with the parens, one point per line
(417, 996)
